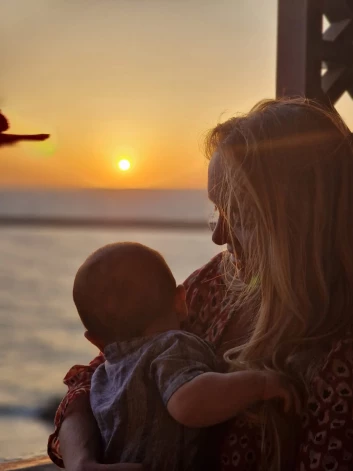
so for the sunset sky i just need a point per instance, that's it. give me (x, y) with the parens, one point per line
(136, 79)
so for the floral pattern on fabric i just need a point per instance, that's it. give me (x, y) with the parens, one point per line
(326, 438)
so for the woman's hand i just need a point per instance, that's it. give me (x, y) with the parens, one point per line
(275, 387)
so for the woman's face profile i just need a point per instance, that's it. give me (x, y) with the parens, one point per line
(221, 233)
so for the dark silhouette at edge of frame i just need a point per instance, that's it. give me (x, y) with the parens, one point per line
(10, 139)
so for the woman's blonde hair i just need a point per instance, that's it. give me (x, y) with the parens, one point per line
(288, 183)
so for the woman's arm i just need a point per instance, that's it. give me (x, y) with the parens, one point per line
(76, 442)
(80, 441)
(74, 407)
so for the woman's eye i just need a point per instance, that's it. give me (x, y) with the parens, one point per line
(213, 218)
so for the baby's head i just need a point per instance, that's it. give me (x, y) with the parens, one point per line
(127, 290)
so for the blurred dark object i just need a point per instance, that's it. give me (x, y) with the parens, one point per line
(311, 62)
(4, 124)
(36, 463)
(47, 412)
(10, 139)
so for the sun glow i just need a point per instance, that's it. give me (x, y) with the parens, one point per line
(124, 164)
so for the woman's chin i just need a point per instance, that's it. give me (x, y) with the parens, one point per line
(238, 265)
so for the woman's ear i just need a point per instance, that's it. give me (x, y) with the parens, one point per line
(94, 340)
(180, 303)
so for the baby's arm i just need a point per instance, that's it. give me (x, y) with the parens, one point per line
(196, 396)
(212, 398)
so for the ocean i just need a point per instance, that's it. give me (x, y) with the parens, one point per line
(40, 332)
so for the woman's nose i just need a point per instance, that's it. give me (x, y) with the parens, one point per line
(220, 232)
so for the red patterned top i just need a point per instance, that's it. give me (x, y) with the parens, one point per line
(326, 439)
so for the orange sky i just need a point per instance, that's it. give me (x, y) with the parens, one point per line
(138, 78)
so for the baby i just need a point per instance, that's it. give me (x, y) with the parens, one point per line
(159, 386)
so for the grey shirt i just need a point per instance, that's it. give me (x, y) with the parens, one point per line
(130, 392)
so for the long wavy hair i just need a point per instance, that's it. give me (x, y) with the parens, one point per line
(288, 187)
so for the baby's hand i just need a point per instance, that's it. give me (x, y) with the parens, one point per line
(275, 387)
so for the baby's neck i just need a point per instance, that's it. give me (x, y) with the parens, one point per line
(154, 329)
(159, 327)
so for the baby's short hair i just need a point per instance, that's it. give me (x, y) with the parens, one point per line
(121, 289)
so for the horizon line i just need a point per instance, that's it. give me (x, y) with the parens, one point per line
(63, 188)
(101, 222)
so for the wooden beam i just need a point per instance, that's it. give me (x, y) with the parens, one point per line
(336, 81)
(299, 44)
(338, 10)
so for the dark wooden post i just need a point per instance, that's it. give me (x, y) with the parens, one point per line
(310, 62)
(298, 48)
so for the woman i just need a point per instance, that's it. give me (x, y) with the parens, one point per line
(280, 297)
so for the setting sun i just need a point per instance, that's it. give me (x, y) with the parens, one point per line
(124, 164)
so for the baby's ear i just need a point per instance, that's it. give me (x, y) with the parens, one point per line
(180, 302)
(92, 338)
